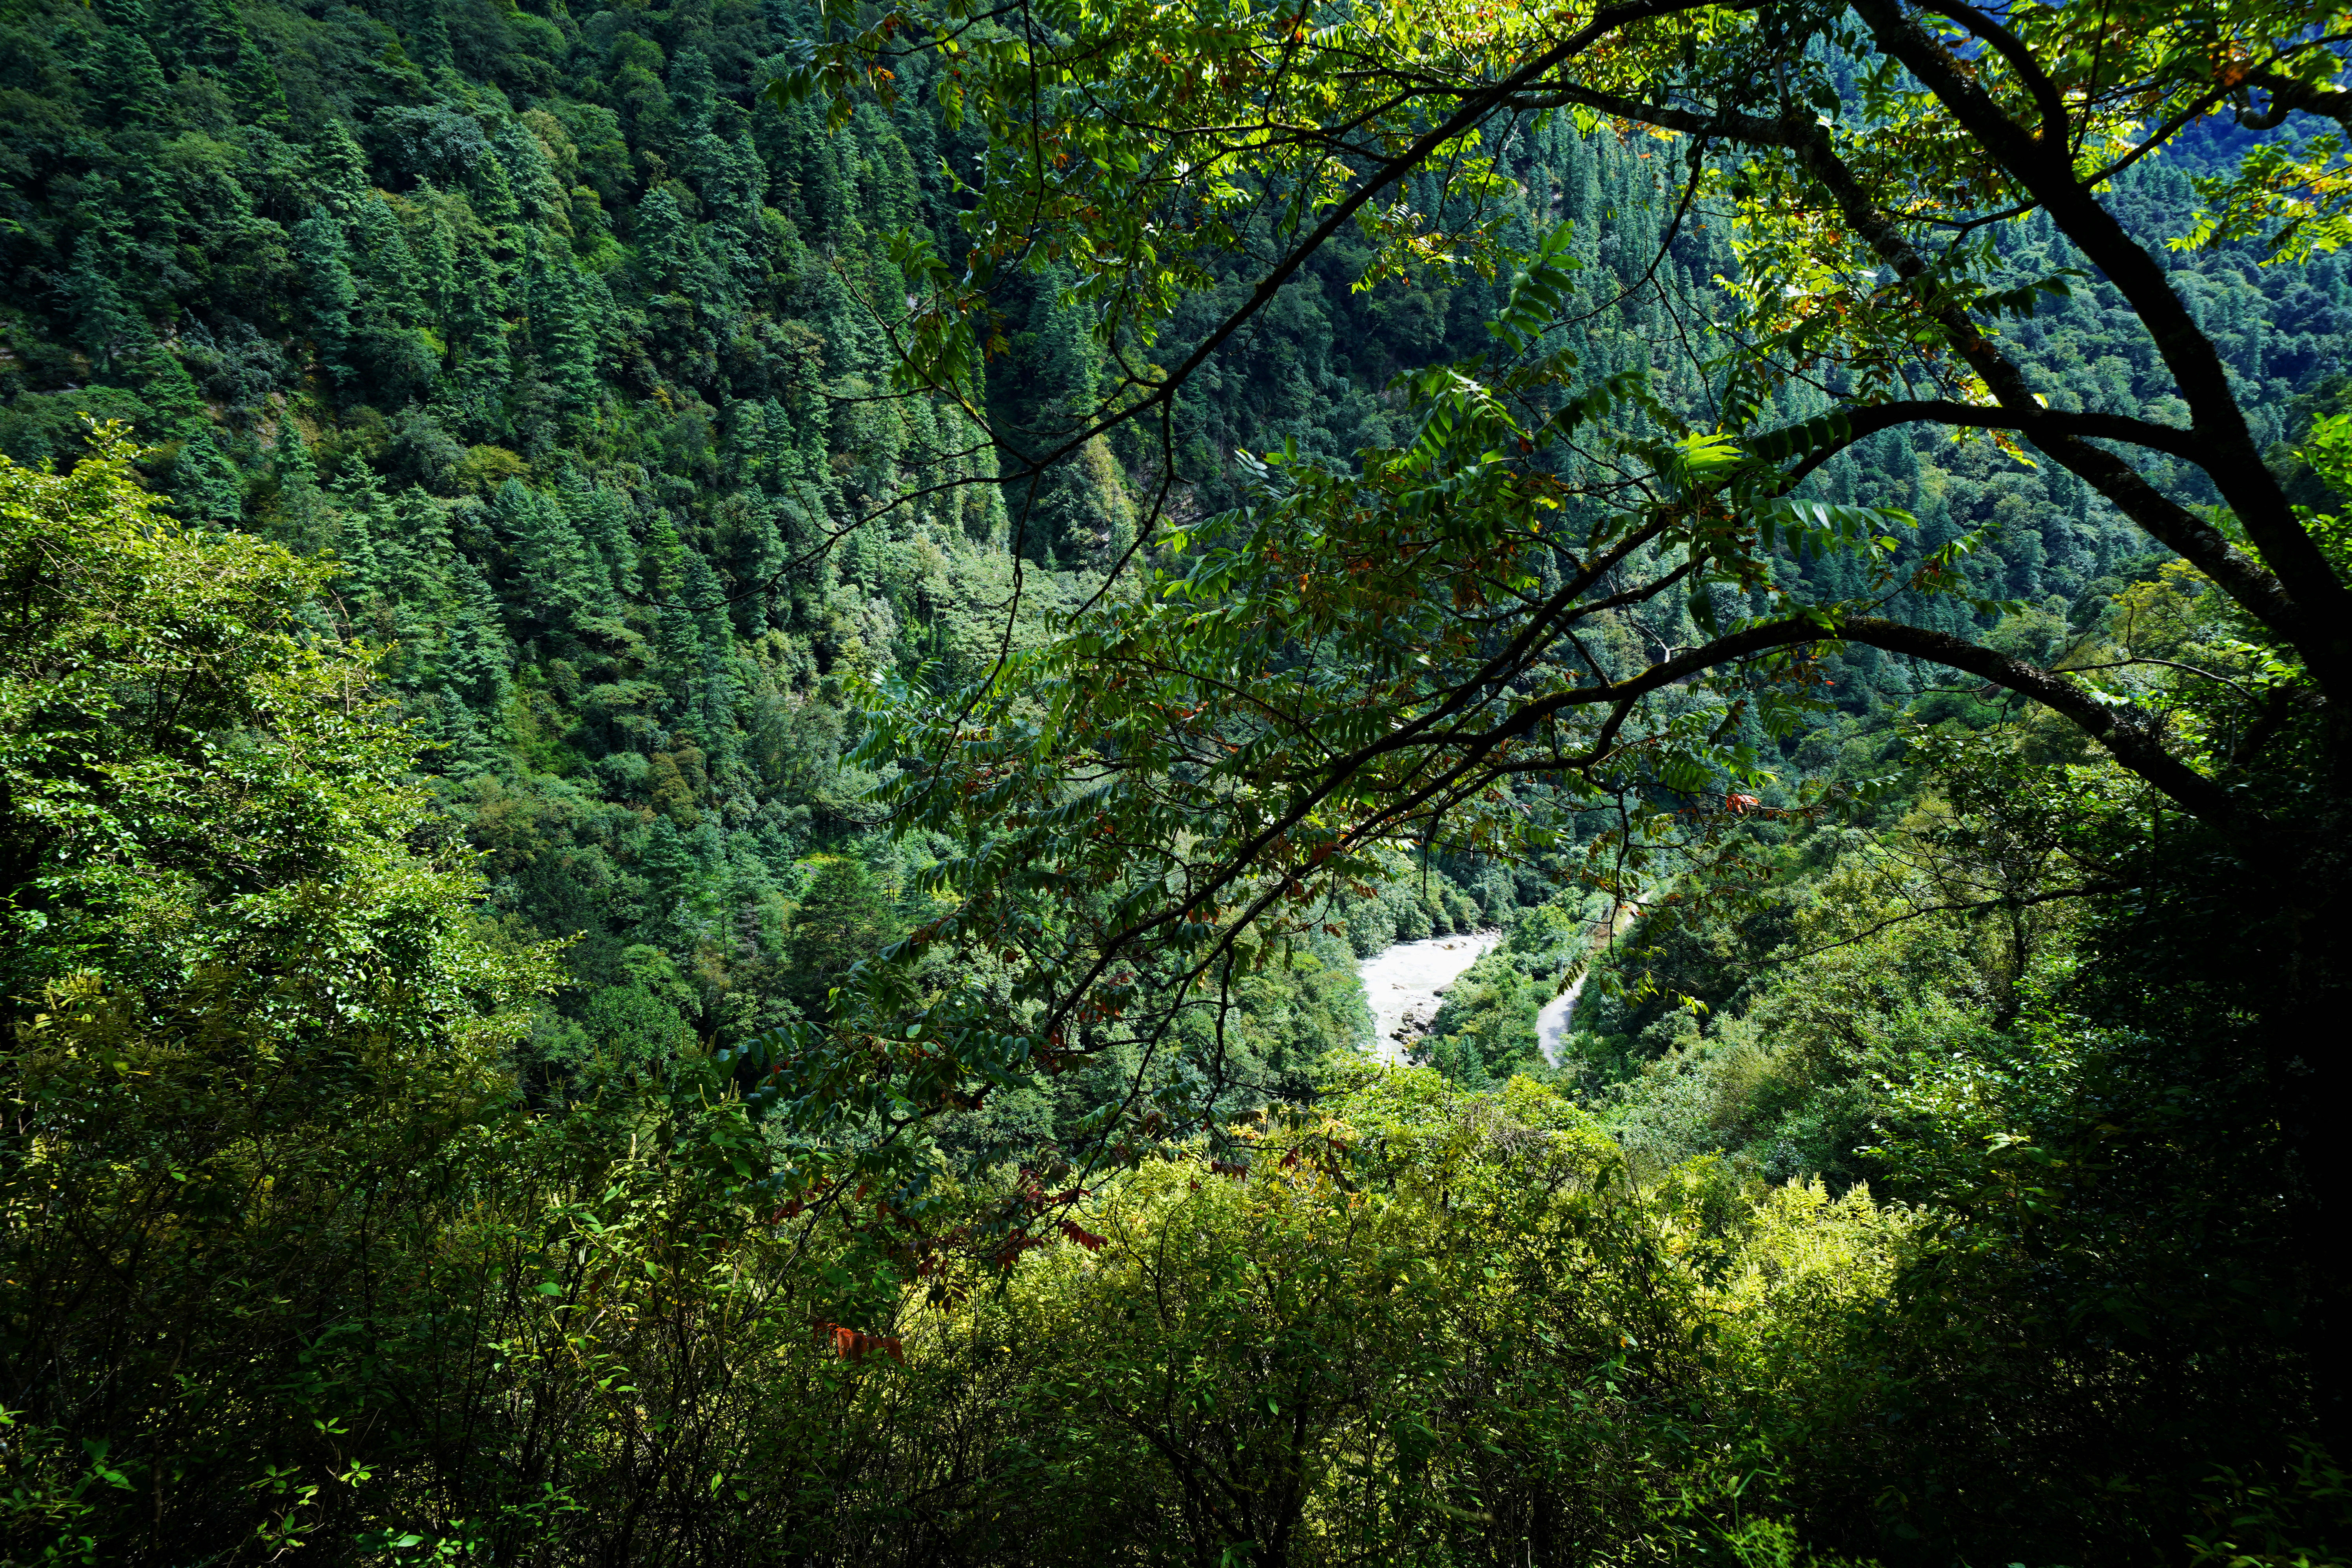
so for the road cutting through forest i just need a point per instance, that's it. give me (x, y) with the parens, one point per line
(1552, 1024)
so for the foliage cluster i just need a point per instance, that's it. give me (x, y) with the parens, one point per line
(606, 1148)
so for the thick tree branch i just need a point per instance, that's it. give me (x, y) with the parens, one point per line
(2021, 59)
(2060, 434)
(2324, 639)
(2321, 624)
(2289, 94)
(1871, 419)
(2128, 733)
(2017, 901)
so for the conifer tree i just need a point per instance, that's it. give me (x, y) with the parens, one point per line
(436, 256)
(538, 195)
(677, 640)
(128, 80)
(476, 662)
(693, 94)
(479, 383)
(103, 322)
(300, 518)
(562, 329)
(416, 544)
(845, 916)
(891, 190)
(734, 188)
(669, 862)
(212, 39)
(330, 293)
(427, 38)
(494, 197)
(480, 364)
(253, 83)
(481, 299)
(205, 485)
(189, 35)
(360, 520)
(132, 16)
(664, 239)
(169, 391)
(558, 572)
(714, 684)
(1076, 512)
(339, 173)
(298, 467)
(747, 443)
(605, 521)
(453, 740)
(386, 264)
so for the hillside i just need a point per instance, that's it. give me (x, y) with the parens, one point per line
(632, 937)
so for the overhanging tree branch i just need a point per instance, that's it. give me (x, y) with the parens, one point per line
(2322, 622)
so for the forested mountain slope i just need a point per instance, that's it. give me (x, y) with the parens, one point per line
(431, 830)
(577, 361)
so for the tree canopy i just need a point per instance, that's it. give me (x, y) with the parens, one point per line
(683, 862)
(1569, 596)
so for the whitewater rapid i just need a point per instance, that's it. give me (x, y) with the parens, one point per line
(1405, 984)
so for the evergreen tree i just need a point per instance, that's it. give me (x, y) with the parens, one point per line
(205, 485)
(480, 382)
(330, 293)
(253, 83)
(714, 687)
(339, 173)
(428, 38)
(453, 739)
(664, 239)
(734, 188)
(559, 572)
(212, 39)
(563, 330)
(360, 520)
(693, 94)
(300, 519)
(387, 266)
(480, 363)
(104, 324)
(416, 544)
(669, 863)
(845, 917)
(677, 640)
(601, 516)
(538, 195)
(168, 390)
(476, 665)
(436, 256)
(128, 82)
(297, 468)
(494, 196)
(132, 16)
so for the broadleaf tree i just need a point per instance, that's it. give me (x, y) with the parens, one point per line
(1557, 611)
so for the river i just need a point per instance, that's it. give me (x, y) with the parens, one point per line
(1404, 983)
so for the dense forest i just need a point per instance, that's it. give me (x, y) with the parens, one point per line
(704, 708)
